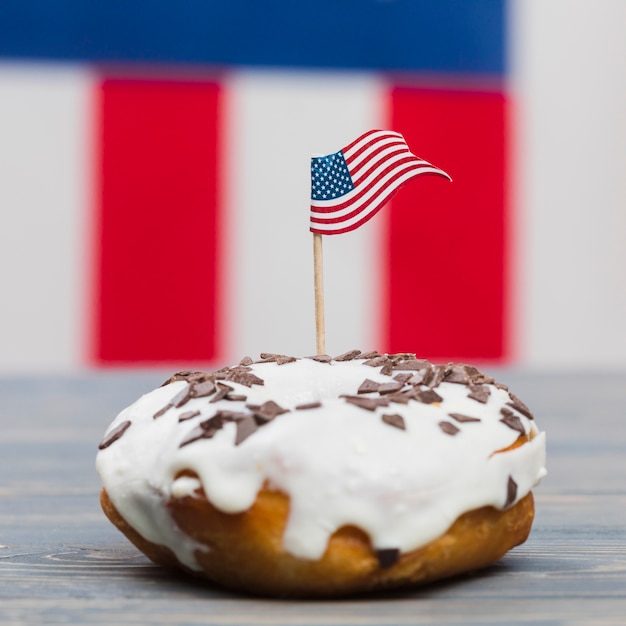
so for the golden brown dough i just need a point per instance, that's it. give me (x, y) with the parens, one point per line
(244, 551)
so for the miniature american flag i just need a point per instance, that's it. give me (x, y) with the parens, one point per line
(350, 186)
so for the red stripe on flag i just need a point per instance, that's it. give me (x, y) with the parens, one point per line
(157, 222)
(446, 245)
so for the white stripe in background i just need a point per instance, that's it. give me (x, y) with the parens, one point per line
(569, 71)
(44, 178)
(277, 121)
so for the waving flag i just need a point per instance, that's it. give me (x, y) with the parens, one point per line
(350, 186)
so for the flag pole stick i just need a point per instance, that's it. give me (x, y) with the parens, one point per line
(318, 270)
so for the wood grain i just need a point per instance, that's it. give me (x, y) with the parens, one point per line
(61, 561)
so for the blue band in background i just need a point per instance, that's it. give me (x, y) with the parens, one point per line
(439, 36)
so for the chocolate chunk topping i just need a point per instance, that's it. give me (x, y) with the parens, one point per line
(245, 427)
(387, 557)
(197, 433)
(427, 396)
(208, 428)
(236, 397)
(348, 356)
(512, 421)
(370, 404)
(464, 374)
(163, 411)
(403, 378)
(279, 359)
(511, 493)
(519, 406)
(114, 435)
(377, 361)
(394, 419)
(449, 428)
(191, 376)
(321, 358)
(414, 365)
(402, 397)
(222, 391)
(309, 405)
(458, 373)
(369, 355)
(283, 358)
(435, 375)
(183, 396)
(459, 417)
(368, 386)
(391, 387)
(243, 377)
(187, 415)
(387, 369)
(480, 393)
(246, 361)
(203, 389)
(267, 411)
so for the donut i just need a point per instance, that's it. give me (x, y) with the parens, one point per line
(322, 477)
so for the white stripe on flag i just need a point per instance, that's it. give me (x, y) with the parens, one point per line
(44, 178)
(288, 118)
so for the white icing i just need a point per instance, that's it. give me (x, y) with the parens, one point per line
(339, 464)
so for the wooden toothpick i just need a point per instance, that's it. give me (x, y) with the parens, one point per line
(318, 270)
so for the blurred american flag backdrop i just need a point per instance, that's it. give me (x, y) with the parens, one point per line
(154, 180)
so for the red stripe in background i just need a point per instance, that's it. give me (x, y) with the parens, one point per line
(447, 241)
(157, 222)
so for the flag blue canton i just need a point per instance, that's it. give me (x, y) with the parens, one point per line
(330, 177)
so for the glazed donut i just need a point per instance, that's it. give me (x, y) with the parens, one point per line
(320, 476)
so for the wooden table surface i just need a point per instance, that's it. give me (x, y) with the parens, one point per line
(62, 562)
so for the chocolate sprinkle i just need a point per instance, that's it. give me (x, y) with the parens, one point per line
(435, 375)
(394, 419)
(243, 377)
(459, 417)
(427, 396)
(369, 355)
(267, 411)
(368, 386)
(222, 391)
(163, 411)
(392, 387)
(387, 369)
(377, 361)
(187, 415)
(480, 393)
(203, 389)
(412, 365)
(403, 378)
(279, 359)
(449, 428)
(387, 557)
(321, 358)
(236, 397)
(402, 397)
(512, 421)
(511, 493)
(309, 405)
(348, 356)
(245, 427)
(519, 406)
(190, 376)
(182, 397)
(114, 435)
(370, 404)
